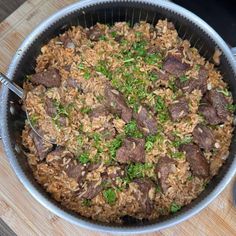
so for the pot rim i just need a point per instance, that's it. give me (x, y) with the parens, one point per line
(40, 197)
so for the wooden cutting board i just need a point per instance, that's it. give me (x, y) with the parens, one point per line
(23, 214)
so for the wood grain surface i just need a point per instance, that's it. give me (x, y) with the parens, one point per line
(22, 213)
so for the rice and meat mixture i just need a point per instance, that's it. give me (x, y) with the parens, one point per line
(141, 121)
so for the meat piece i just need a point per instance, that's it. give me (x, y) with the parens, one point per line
(92, 190)
(174, 66)
(50, 78)
(42, 148)
(76, 171)
(94, 33)
(67, 41)
(132, 150)
(179, 109)
(219, 102)
(49, 107)
(99, 111)
(164, 167)
(191, 84)
(213, 107)
(93, 166)
(203, 136)
(146, 121)
(115, 102)
(70, 82)
(209, 114)
(198, 163)
(144, 196)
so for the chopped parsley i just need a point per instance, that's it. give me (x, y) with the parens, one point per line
(161, 109)
(197, 67)
(113, 34)
(131, 130)
(231, 107)
(110, 196)
(224, 92)
(86, 71)
(174, 207)
(114, 145)
(103, 38)
(80, 140)
(84, 158)
(102, 68)
(177, 155)
(138, 170)
(183, 78)
(33, 119)
(190, 178)
(150, 140)
(96, 137)
(153, 77)
(86, 202)
(179, 141)
(85, 110)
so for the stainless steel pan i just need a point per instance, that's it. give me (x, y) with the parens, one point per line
(87, 13)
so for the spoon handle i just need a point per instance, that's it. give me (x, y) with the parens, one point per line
(12, 86)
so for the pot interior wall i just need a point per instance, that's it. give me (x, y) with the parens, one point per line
(110, 13)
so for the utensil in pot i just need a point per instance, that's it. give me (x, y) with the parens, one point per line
(20, 93)
(86, 14)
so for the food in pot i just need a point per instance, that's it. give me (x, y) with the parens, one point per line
(142, 122)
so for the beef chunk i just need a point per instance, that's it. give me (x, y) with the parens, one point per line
(143, 195)
(70, 82)
(146, 122)
(203, 136)
(198, 163)
(42, 148)
(49, 78)
(163, 168)
(49, 107)
(179, 109)
(94, 33)
(174, 66)
(92, 190)
(132, 150)
(67, 41)
(99, 111)
(76, 171)
(209, 114)
(115, 102)
(213, 106)
(219, 102)
(189, 85)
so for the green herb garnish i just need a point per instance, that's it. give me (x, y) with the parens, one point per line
(224, 92)
(86, 202)
(85, 110)
(33, 119)
(131, 130)
(180, 141)
(175, 207)
(177, 155)
(110, 196)
(231, 107)
(84, 158)
(114, 145)
(113, 34)
(183, 78)
(138, 170)
(103, 38)
(80, 140)
(102, 68)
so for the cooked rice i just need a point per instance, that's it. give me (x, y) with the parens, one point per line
(50, 173)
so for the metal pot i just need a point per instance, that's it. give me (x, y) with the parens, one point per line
(87, 13)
